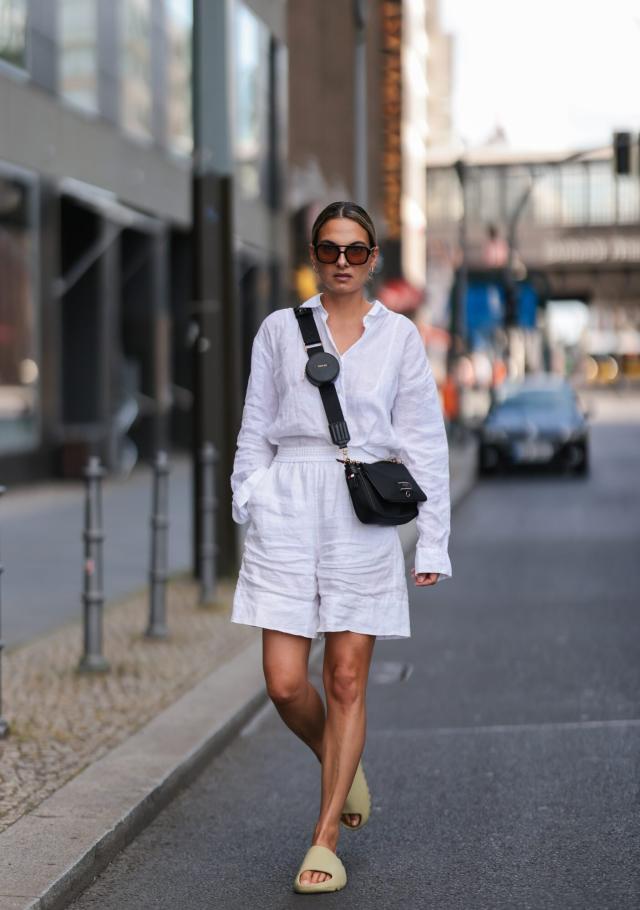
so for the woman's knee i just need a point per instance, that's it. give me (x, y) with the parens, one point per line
(285, 661)
(344, 684)
(285, 688)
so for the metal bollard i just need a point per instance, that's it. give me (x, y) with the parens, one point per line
(4, 726)
(206, 508)
(93, 659)
(158, 572)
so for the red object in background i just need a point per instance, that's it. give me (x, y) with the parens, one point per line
(499, 372)
(450, 398)
(401, 296)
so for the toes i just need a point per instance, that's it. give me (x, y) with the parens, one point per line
(309, 877)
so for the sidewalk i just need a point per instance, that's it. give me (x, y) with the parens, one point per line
(41, 545)
(81, 774)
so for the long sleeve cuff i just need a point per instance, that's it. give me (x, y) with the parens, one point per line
(430, 559)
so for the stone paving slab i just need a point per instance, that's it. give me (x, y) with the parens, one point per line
(54, 852)
(62, 720)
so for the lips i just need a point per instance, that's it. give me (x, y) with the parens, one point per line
(342, 275)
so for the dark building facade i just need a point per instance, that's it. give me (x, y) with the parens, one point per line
(95, 205)
(97, 248)
(325, 110)
(240, 240)
(322, 39)
(161, 162)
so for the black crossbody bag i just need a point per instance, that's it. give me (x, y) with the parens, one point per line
(382, 492)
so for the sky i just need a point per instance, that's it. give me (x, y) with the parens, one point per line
(555, 74)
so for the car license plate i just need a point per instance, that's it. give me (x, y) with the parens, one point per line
(533, 450)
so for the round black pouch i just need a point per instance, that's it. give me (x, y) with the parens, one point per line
(322, 368)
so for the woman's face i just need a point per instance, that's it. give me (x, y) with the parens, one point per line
(341, 276)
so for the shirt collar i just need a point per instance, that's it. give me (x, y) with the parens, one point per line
(315, 302)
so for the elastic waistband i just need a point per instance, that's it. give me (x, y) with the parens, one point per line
(316, 453)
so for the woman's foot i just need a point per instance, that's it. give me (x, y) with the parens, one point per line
(327, 866)
(325, 839)
(357, 805)
(351, 819)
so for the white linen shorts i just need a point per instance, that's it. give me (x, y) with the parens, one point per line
(309, 565)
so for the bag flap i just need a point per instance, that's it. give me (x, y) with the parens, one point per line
(393, 481)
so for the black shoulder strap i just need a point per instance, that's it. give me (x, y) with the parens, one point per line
(337, 424)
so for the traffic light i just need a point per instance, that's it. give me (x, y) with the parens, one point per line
(625, 154)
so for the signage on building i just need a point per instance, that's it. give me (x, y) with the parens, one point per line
(391, 114)
(588, 250)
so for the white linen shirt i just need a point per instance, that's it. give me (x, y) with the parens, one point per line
(389, 400)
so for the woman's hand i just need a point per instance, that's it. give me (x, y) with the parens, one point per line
(422, 579)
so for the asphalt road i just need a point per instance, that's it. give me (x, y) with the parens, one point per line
(504, 769)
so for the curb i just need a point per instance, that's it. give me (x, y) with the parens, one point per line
(51, 855)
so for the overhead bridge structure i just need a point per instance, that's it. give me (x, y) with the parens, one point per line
(565, 214)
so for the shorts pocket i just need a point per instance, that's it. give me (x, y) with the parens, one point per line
(258, 486)
(245, 493)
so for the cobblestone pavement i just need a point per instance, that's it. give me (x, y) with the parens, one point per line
(62, 720)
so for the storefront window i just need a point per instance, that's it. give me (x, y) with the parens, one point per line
(574, 194)
(13, 31)
(135, 40)
(78, 31)
(251, 85)
(601, 193)
(490, 194)
(19, 372)
(628, 199)
(179, 27)
(546, 195)
(444, 197)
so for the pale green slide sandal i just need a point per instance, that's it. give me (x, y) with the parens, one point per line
(321, 859)
(358, 801)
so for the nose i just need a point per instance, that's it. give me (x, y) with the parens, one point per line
(342, 259)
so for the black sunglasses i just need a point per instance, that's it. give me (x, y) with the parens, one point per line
(355, 253)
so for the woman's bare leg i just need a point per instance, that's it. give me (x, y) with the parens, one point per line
(285, 660)
(347, 659)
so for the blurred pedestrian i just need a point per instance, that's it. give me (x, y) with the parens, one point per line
(310, 567)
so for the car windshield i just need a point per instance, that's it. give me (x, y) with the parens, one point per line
(538, 399)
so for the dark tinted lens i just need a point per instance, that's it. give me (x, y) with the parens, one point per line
(356, 254)
(327, 252)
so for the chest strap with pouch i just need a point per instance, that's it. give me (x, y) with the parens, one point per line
(309, 330)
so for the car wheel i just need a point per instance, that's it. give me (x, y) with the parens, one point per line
(582, 468)
(488, 461)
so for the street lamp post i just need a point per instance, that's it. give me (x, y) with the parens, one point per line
(216, 322)
(460, 316)
(360, 158)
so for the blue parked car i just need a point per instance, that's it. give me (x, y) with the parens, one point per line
(536, 421)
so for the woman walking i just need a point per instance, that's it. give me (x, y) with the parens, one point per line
(310, 567)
